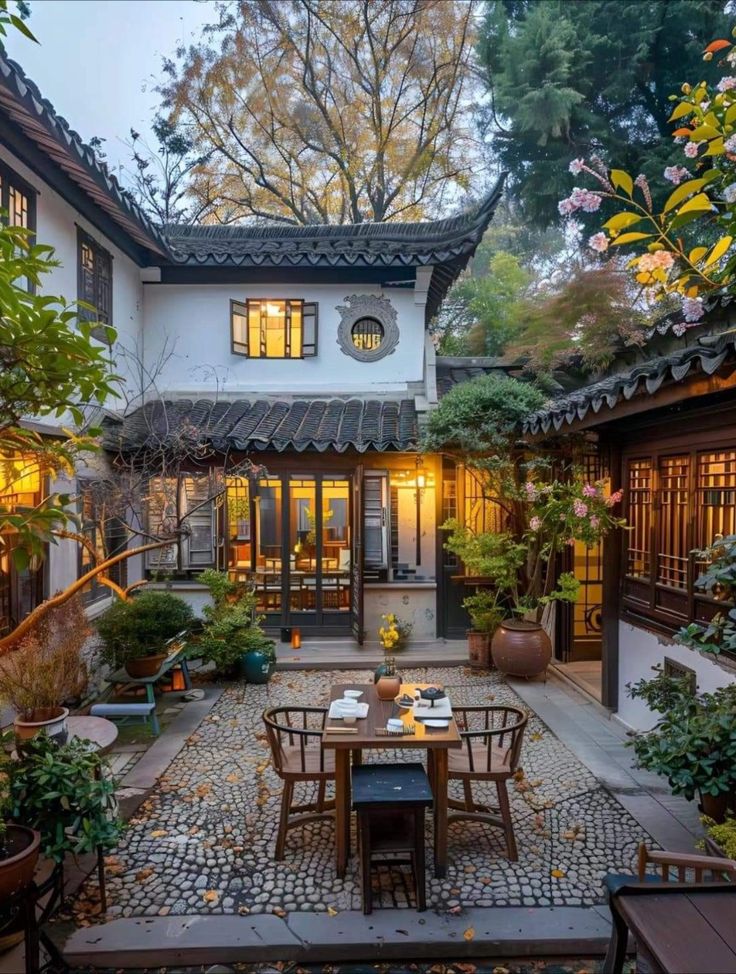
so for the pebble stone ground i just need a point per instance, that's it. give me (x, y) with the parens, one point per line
(203, 842)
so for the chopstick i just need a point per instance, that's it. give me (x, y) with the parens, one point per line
(341, 730)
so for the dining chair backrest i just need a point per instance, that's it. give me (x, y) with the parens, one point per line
(489, 732)
(683, 867)
(295, 728)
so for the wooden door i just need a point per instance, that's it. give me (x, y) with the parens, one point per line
(356, 593)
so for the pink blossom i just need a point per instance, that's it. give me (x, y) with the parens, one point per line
(580, 199)
(693, 309)
(566, 207)
(531, 490)
(679, 329)
(535, 523)
(691, 150)
(576, 166)
(729, 193)
(676, 174)
(727, 83)
(595, 522)
(660, 259)
(579, 507)
(641, 182)
(730, 144)
(614, 499)
(589, 490)
(570, 541)
(598, 242)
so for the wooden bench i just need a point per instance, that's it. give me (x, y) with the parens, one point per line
(177, 657)
(123, 712)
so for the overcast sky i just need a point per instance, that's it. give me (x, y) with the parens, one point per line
(97, 60)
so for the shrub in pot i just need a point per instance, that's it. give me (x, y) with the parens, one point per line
(485, 617)
(231, 636)
(135, 632)
(693, 744)
(46, 671)
(720, 838)
(19, 845)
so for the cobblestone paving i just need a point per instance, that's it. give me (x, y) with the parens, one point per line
(203, 842)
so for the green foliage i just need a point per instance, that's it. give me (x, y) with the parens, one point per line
(718, 581)
(142, 626)
(661, 693)
(568, 77)
(494, 556)
(482, 417)
(65, 791)
(725, 835)
(693, 744)
(231, 626)
(486, 614)
(568, 589)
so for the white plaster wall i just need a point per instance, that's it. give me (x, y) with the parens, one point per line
(415, 603)
(639, 651)
(57, 226)
(187, 329)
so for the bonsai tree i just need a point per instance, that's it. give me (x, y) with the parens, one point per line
(142, 626)
(231, 629)
(719, 581)
(47, 670)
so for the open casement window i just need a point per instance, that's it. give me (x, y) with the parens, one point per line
(188, 500)
(94, 282)
(676, 502)
(107, 536)
(263, 328)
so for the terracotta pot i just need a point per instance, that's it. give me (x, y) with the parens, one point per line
(144, 666)
(388, 687)
(43, 720)
(521, 648)
(714, 806)
(16, 869)
(479, 650)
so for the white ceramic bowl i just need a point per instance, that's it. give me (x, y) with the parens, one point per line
(352, 694)
(394, 724)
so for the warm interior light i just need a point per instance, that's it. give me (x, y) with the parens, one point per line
(275, 310)
(421, 481)
(296, 638)
(20, 480)
(177, 679)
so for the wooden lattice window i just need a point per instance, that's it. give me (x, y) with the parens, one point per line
(716, 496)
(367, 334)
(673, 543)
(94, 282)
(639, 494)
(266, 328)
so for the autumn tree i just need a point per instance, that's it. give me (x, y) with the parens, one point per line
(323, 112)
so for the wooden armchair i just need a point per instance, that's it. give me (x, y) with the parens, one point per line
(675, 866)
(295, 737)
(492, 738)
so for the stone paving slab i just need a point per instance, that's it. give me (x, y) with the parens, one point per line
(351, 936)
(202, 842)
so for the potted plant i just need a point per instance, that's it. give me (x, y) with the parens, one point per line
(393, 637)
(693, 744)
(135, 632)
(486, 614)
(720, 837)
(231, 635)
(46, 671)
(19, 845)
(718, 580)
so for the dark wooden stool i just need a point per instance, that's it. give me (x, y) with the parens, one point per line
(390, 800)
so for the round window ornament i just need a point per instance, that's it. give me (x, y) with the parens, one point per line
(368, 329)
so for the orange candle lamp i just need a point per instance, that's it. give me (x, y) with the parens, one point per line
(296, 639)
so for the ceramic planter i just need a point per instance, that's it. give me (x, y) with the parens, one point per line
(479, 650)
(256, 667)
(21, 854)
(43, 720)
(144, 666)
(388, 687)
(521, 648)
(714, 806)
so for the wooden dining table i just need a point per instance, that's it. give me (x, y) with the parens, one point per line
(366, 734)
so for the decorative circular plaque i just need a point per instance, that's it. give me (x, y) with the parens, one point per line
(368, 329)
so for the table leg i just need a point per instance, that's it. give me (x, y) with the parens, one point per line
(439, 756)
(185, 673)
(342, 810)
(616, 953)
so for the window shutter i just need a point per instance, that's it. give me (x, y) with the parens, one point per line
(239, 328)
(199, 545)
(374, 527)
(287, 329)
(309, 328)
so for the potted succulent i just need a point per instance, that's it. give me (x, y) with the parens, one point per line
(135, 632)
(46, 671)
(231, 635)
(485, 617)
(19, 845)
(693, 744)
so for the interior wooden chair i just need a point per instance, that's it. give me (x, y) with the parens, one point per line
(491, 748)
(295, 737)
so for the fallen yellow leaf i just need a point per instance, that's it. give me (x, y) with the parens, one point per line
(233, 778)
(158, 833)
(211, 896)
(558, 873)
(469, 933)
(332, 912)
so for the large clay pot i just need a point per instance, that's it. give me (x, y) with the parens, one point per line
(521, 648)
(256, 667)
(388, 687)
(479, 650)
(714, 806)
(43, 720)
(21, 854)
(144, 666)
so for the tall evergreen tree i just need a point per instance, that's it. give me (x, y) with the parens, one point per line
(570, 79)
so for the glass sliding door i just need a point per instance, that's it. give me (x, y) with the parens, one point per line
(335, 561)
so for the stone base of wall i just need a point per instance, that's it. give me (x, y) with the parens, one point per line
(415, 603)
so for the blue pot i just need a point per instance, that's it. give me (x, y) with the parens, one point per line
(256, 667)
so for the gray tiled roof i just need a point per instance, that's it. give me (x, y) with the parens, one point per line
(267, 424)
(24, 105)
(707, 356)
(452, 370)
